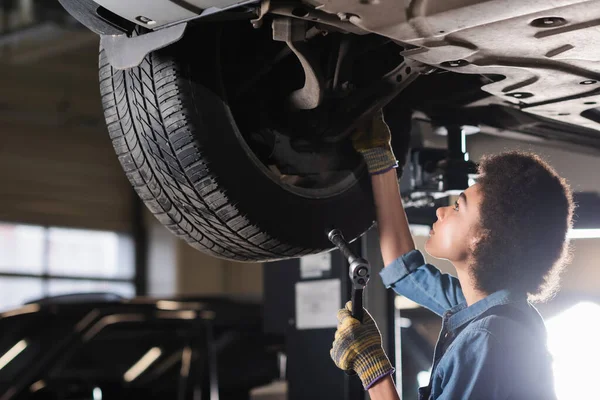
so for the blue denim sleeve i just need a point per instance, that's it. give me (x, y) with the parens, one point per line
(423, 283)
(478, 368)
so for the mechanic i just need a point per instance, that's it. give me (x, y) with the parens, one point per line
(506, 237)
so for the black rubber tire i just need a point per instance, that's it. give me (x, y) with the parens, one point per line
(181, 150)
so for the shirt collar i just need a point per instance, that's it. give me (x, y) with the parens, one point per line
(461, 314)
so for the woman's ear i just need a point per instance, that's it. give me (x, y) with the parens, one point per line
(476, 237)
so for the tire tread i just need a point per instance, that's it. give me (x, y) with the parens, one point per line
(148, 123)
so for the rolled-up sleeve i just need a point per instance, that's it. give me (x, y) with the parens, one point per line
(423, 283)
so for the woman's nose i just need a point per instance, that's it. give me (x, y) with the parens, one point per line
(439, 212)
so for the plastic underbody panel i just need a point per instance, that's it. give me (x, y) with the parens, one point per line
(542, 55)
(547, 52)
(155, 14)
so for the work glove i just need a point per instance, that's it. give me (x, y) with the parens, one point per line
(357, 347)
(372, 139)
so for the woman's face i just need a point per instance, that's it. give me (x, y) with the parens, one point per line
(455, 231)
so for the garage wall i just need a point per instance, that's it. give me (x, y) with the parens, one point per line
(175, 268)
(199, 273)
(581, 170)
(161, 259)
(57, 165)
(62, 177)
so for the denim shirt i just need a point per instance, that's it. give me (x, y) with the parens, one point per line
(481, 353)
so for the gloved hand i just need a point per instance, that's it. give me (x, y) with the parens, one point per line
(358, 347)
(372, 139)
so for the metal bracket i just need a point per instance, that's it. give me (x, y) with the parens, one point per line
(125, 52)
(265, 5)
(367, 101)
(293, 32)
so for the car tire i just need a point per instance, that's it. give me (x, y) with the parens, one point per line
(178, 142)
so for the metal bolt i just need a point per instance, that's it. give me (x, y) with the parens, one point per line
(145, 20)
(347, 86)
(300, 12)
(454, 63)
(520, 95)
(548, 22)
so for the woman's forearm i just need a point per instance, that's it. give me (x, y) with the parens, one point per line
(384, 390)
(394, 233)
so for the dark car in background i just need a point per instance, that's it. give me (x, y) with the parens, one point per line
(100, 346)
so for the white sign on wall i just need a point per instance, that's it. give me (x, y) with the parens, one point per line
(317, 303)
(315, 266)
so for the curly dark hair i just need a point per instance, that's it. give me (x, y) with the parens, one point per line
(526, 211)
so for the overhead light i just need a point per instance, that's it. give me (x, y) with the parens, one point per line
(12, 353)
(143, 363)
(170, 305)
(186, 361)
(583, 234)
(26, 309)
(184, 314)
(38, 385)
(97, 393)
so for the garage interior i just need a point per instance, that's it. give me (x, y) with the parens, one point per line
(92, 285)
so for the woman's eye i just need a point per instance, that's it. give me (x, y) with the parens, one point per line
(456, 205)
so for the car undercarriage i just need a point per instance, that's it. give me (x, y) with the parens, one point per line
(282, 86)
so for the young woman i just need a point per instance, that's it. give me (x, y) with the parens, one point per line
(507, 238)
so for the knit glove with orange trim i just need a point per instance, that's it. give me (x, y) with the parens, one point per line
(358, 347)
(372, 139)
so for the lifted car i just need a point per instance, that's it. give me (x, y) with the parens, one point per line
(232, 118)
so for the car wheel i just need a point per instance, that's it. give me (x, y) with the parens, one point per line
(204, 164)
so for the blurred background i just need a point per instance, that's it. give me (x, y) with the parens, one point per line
(71, 223)
(69, 219)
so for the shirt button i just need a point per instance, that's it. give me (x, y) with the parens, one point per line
(445, 335)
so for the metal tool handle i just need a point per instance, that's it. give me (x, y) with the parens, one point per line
(336, 237)
(357, 305)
